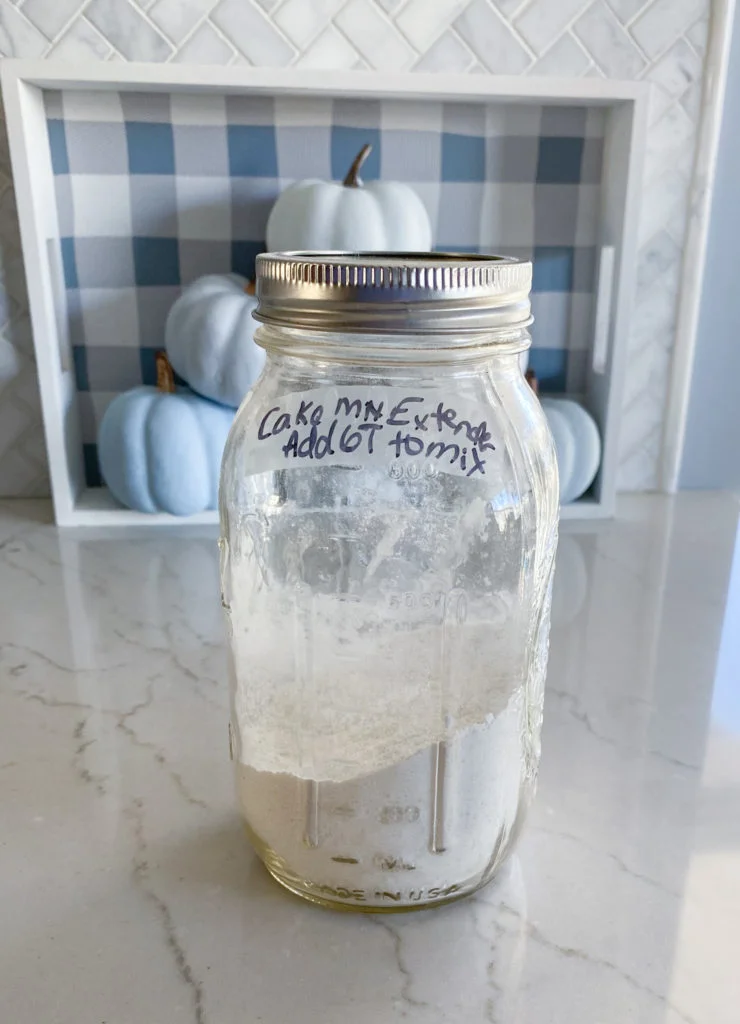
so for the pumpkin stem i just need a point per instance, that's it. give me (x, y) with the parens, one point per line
(353, 179)
(250, 287)
(165, 374)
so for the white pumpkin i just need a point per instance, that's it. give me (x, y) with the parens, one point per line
(577, 444)
(381, 216)
(209, 338)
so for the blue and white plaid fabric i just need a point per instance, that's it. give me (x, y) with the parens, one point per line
(154, 190)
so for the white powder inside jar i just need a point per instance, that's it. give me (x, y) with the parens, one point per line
(408, 832)
(332, 691)
(382, 730)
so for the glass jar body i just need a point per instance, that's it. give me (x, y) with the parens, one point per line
(388, 533)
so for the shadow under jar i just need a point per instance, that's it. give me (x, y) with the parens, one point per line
(389, 507)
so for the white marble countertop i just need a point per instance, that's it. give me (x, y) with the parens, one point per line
(130, 896)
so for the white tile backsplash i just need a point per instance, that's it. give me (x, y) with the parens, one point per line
(19, 37)
(542, 21)
(129, 32)
(673, 75)
(662, 201)
(375, 37)
(448, 53)
(332, 51)
(10, 358)
(566, 58)
(670, 133)
(656, 258)
(205, 46)
(80, 42)
(423, 23)
(302, 20)
(492, 40)
(509, 7)
(662, 41)
(608, 42)
(177, 18)
(662, 21)
(626, 10)
(50, 16)
(692, 99)
(698, 35)
(252, 32)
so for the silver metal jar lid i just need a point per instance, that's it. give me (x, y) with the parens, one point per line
(393, 292)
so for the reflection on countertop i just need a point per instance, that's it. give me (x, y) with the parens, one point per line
(130, 895)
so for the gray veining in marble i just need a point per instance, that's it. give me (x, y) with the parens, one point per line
(130, 895)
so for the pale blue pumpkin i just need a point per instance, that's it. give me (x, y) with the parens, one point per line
(577, 444)
(381, 216)
(161, 452)
(209, 338)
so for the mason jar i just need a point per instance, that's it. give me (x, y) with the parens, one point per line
(389, 508)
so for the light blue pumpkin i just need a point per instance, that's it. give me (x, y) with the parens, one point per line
(161, 452)
(209, 338)
(577, 444)
(386, 216)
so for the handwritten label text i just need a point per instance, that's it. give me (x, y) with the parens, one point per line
(359, 426)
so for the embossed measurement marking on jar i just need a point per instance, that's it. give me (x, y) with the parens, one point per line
(394, 815)
(386, 862)
(410, 599)
(411, 470)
